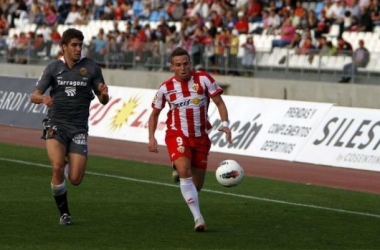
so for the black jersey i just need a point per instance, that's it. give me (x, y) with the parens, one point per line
(72, 91)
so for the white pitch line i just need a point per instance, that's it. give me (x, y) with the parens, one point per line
(206, 190)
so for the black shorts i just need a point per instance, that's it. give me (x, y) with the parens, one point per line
(75, 142)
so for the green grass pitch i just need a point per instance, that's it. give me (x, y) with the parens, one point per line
(130, 205)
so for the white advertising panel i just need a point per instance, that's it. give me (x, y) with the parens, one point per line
(268, 128)
(347, 137)
(126, 115)
(261, 127)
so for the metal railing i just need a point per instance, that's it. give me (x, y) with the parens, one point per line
(279, 63)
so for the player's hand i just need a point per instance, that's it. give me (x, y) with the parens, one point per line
(153, 146)
(228, 133)
(47, 100)
(103, 89)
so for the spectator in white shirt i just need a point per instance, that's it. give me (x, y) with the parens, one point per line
(202, 8)
(73, 16)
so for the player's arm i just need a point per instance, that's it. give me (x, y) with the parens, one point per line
(103, 93)
(37, 97)
(218, 100)
(153, 121)
(43, 83)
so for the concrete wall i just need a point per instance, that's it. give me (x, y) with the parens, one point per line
(349, 95)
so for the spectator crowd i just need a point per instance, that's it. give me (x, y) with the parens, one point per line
(208, 28)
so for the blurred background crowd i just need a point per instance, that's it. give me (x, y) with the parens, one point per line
(218, 34)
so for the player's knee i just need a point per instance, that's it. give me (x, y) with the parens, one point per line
(57, 169)
(76, 181)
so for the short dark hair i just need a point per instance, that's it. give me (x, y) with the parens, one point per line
(179, 52)
(71, 34)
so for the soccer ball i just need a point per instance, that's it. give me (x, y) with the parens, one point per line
(229, 173)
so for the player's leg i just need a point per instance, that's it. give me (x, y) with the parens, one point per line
(175, 175)
(199, 175)
(77, 153)
(181, 154)
(201, 148)
(56, 153)
(189, 191)
(198, 180)
(77, 168)
(198, 169)
(183, 166)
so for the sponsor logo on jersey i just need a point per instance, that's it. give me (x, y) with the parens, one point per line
(195, 86)
(83, 71)
(171, 91)
(196, 101)
(80, 139)
(182, 104)
(70, 91)
(72, 83)
(181, 149)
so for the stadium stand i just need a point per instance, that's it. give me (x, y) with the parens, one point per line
(146, 30)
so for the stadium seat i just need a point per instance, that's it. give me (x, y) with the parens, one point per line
(137, 8)
(373, 65)
(325, 62)
(153, 25)
(242, 39)
(277, 55)
(337, 62)
(294, 61)
(122, 25)
(376, 30)
(266, 44)
(153, 17)
(305, 62)
(55, 49)
(315, 62)
(334, 31)
(163, 14)
(263, 59)
(368, 36)
(11, 32)
(253, 26)
(61, 28)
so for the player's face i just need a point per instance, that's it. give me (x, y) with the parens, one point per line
(181, 67)
(73, 50)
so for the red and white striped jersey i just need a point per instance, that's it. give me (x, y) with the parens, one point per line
(188, 102)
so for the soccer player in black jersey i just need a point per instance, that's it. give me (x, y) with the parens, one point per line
(73, 80)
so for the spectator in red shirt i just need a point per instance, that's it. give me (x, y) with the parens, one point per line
(344, 48)
(215, 19)
(55, 36)
(242, 23)
(254, 9)
(118, 11)
(299, 10)
(307, 47)
(4, 25)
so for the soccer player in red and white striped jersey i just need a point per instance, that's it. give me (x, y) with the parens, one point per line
(188, 95)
